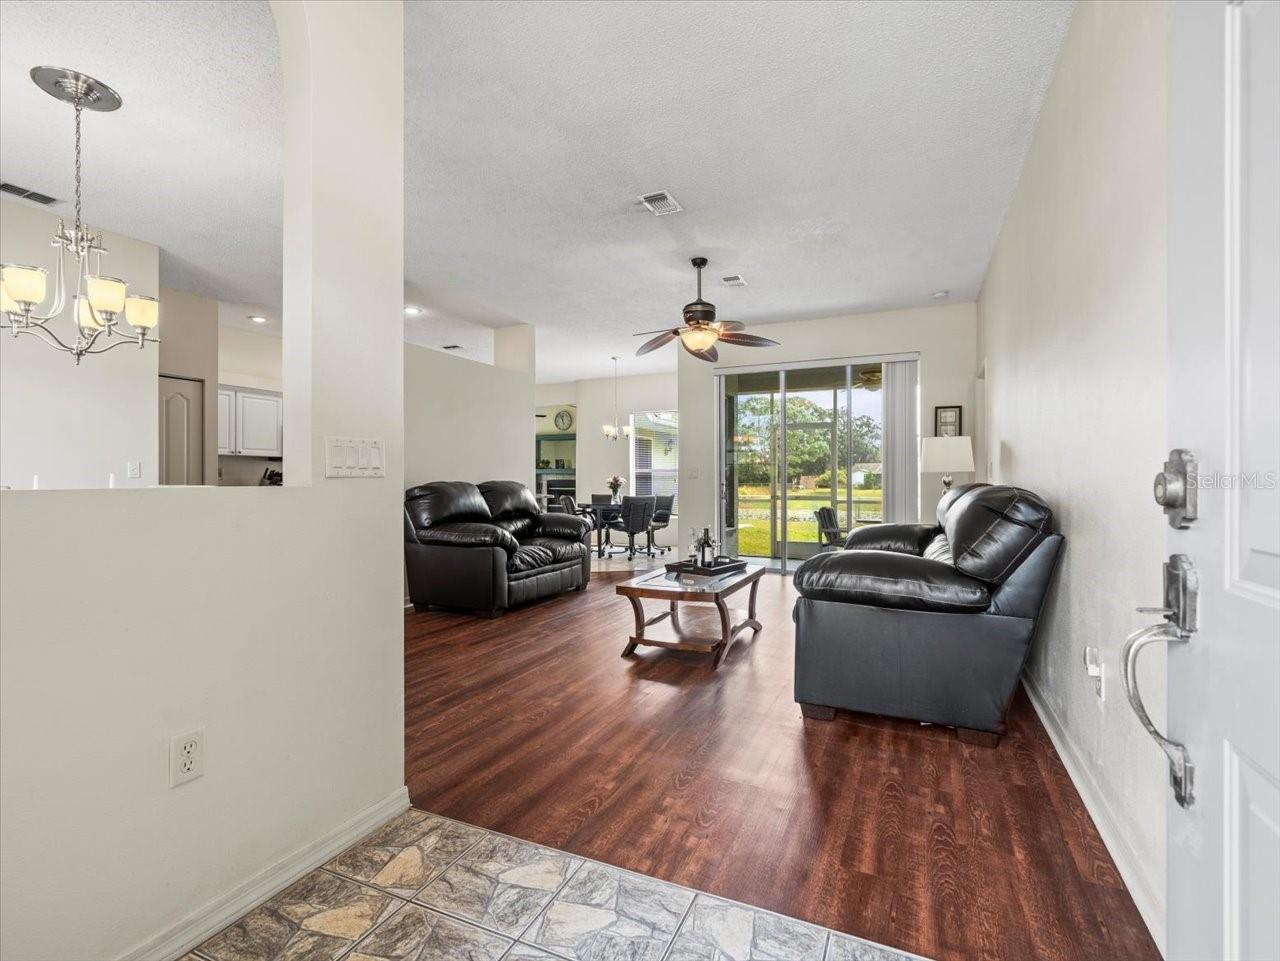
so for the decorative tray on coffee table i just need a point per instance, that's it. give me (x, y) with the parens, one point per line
(718, 565)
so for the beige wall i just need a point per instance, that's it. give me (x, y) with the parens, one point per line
(464, 420)
(943, 336)
(76, 425)
(248, 359)
(269, 618)
(189, 348)
(597, 457)
(1072, 327)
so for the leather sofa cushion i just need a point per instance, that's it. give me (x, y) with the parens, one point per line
(991, 529)
(890, 579)
(442, 501)
(903, 538)
(569, 526)
(939, 549)
(509, 498)
(948, 500)
(529, 557)
(561, 550)
(468, 534)
(519, 526)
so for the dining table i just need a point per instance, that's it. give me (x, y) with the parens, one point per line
(602, 515)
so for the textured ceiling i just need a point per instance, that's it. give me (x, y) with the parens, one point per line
(842, 156)
(190, 163)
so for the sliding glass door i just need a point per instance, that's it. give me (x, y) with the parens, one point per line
(801, 458)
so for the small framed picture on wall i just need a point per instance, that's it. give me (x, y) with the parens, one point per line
(947, 422)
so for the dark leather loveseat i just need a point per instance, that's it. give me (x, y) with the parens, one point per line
(928, 622)
(486, 547)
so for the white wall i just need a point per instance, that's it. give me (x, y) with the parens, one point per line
(76, 425)
(269, 618)
(1072, 326)
(189, 348)
(464, 420)
(944, 336)
(597, 457)
(249, 359)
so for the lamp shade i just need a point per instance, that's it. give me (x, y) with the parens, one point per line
(105, 293)
(142, 311)
(698, 338)
(946, 455)
(23, 284)
(84, 315)
(7, 304)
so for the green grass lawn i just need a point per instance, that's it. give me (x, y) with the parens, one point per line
(753, 515)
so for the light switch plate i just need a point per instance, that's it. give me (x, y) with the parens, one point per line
(355, 457)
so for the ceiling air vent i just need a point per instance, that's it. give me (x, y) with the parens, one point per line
(452, 347)
(15, 191)
(734, 280)
(660, 204)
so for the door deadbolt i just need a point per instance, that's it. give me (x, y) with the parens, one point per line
(1175, 488)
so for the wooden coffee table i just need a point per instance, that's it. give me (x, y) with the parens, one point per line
(691, 628)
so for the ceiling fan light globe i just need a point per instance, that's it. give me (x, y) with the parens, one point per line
(699, 338)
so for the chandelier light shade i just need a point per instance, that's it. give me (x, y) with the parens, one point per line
(85, 315)
(106, 294)
(25, 286)
(96, 300)
(142, 311)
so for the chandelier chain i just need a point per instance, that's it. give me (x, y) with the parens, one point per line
(79, 105)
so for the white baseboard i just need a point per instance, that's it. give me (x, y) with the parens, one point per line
(1150, 902)
(214, 915)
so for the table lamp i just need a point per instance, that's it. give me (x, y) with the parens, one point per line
(944, 455)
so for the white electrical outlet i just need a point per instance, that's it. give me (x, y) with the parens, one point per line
(135, 469)
(1093, 668)
(186, 757)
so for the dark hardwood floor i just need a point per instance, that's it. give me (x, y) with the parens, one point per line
(532, 725)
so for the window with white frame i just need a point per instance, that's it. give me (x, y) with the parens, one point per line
(655, 454)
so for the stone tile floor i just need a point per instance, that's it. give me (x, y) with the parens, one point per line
(427, 888)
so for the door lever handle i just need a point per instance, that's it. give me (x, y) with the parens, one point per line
(1181, 769)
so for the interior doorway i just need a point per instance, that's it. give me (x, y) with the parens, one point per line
(181, 430)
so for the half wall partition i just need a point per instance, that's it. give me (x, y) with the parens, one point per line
(797, 438)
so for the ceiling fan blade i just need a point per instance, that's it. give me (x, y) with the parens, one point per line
(748, 340)
(730, 325)
(710, 354)
(664, 338)
(645, 333)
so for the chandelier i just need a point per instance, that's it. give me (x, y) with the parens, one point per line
(613, 431)
(98, 301)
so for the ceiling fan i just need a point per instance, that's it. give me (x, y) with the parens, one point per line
(701, 330)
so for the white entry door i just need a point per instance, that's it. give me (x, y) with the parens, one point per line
(1224, 407)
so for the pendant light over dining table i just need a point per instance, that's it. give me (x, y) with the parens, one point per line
(99, 302)
(614, 431)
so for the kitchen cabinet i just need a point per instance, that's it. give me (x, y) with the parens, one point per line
(226, 421)
(250, 422)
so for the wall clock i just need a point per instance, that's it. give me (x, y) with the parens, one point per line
(564, 420)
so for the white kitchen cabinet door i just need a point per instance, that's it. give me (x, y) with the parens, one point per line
(259, 424)
(226, 421)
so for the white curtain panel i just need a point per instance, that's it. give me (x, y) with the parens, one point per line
(901, 442)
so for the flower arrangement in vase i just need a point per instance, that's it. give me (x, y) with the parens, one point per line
(614, 484)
